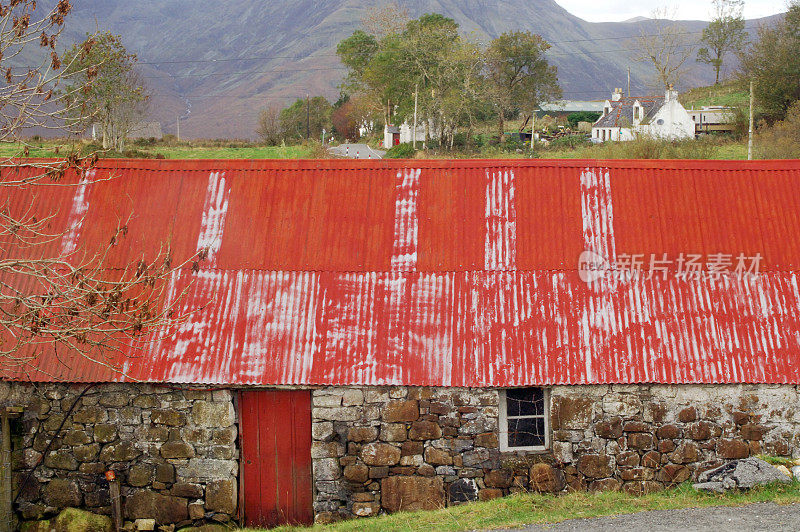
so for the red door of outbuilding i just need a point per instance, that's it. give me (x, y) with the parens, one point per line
(276, 457)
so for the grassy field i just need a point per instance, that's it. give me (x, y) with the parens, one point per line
(729, 93)
(54, 149)
(716, 148)
(525, 509)
(259, 152)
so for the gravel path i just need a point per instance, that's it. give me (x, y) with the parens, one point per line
(759, 516)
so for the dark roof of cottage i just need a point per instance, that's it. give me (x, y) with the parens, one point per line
(621, 114)
(437, 273)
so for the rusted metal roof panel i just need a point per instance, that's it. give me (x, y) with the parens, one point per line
(453, 273)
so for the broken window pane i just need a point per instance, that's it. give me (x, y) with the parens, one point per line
(525, 402)
(526, 432)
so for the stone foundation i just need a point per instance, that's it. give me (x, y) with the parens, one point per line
(379, 450)
(173, 450)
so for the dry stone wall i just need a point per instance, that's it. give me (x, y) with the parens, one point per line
(383, 449)
(379, 450)
(642, 438)
(173, 450)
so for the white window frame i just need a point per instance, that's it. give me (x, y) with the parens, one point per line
(503, 423)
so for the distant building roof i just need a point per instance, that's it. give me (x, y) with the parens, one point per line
(572, 106)
(621, 114)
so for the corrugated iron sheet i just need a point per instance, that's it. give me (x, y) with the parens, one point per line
(453, 273)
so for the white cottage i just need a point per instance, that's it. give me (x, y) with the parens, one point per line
(404, 133)
(625, 118)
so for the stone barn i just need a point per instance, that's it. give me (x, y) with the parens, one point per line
(375, 336)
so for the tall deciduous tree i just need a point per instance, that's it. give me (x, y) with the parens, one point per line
(427, 59)
(518, 73)
(306, 117)
(773, 64)
(665, 44)
(724, 34)
(114, 95)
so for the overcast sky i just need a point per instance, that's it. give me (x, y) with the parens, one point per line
(618, 10)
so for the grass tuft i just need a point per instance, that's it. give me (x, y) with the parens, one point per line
(526, 509)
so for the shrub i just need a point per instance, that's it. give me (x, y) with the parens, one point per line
(583, 116)
(570, 142)
(401, 151)
(782, 139)
(460, 140)
(513, 143)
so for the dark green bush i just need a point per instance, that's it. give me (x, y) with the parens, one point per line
(583, 116)
(401, 151)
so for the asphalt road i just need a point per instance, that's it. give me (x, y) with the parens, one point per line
(356, 151)
(759, 516)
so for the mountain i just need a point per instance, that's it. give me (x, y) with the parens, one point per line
(215, 64)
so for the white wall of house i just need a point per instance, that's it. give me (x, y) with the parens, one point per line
(605, 134)
(670, 122)
(407, 132)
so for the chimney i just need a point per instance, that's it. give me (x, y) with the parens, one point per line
(671, 94)
(617, 96)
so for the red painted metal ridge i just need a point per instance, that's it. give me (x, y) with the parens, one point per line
(452, 273)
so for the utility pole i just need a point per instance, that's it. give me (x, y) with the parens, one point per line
(179, 128)
(414, 134)
(308, 118)
(533, 127)
(750, 129)
(628, 94)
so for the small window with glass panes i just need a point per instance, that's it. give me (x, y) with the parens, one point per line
(523, 419)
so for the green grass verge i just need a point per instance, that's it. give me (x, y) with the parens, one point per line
(519, 510)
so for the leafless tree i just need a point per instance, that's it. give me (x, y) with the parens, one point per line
(269, 125)
(665, 44)
(388, 19)
(59, 298)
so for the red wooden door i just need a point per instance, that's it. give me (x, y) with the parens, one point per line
(276, 457)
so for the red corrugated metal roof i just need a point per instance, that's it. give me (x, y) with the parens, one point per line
(454, 273)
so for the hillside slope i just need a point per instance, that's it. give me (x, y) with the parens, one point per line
(216, 64)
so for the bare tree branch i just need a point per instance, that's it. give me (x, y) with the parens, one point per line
(663, 43)
(57, 298)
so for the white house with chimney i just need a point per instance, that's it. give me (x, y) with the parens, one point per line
(626, 117)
